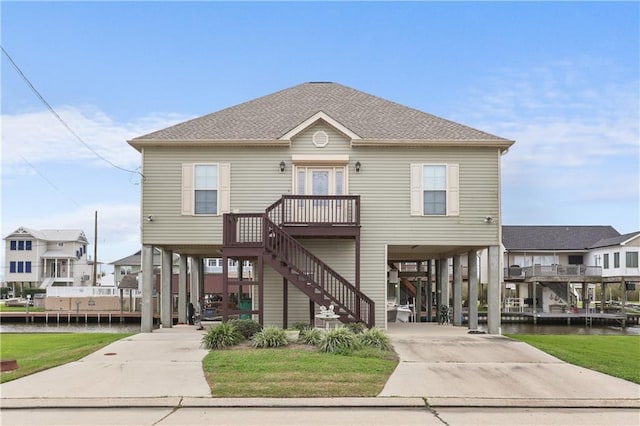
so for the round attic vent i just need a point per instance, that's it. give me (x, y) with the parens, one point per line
(320, 139)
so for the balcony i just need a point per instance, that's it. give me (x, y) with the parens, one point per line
(522, 273)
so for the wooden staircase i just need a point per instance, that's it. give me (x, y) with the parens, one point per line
(257, 235)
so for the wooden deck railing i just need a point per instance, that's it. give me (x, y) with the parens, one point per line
(315, 210)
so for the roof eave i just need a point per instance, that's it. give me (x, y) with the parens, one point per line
(139, 144)
(503, 145)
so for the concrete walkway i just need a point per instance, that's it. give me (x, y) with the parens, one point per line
(444, 364)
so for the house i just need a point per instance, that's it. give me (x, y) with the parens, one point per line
(322, 188)
(563, 266)
(46, 258)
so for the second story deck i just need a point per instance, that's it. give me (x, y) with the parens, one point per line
(553, 273)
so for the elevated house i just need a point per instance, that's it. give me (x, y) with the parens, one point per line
(320, 188)
(46, 258)
(558, 268)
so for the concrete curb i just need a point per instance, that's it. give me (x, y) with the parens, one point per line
(534, 402)
(172, 402)
(373, 402)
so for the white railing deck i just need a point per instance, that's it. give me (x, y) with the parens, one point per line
(553, 271)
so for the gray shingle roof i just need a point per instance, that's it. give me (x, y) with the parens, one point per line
(272, 116)
(614, 241)
(554, 237)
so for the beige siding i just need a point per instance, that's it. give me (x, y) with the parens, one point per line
(383, 184)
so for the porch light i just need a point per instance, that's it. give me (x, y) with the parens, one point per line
(282, 165)
(358, 165)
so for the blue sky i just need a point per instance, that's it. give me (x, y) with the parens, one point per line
(562, 79)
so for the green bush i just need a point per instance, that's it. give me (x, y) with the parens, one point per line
(375, 338)
(269, 337)
(221, 336)
(301, 326)
(357, 327)
(246, 327)
(339, 340)
(311, 336)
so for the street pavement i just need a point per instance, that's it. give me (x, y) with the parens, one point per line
(445, 376)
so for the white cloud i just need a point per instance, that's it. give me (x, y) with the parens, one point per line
(39, 137)
(577, 132)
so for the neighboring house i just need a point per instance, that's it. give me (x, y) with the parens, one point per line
(321, 187)
(561, 266)
(45, 258)
(618, 256)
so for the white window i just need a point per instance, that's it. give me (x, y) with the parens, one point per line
(435, 190)
(205, 189)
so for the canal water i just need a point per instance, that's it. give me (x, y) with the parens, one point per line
(68, 328)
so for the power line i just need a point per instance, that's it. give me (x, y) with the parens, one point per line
(48, 181)
(64, 123)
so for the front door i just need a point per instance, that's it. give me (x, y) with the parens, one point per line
(319, 181)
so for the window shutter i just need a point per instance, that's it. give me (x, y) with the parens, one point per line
(416, 190)
(453, 190)
(187, 189)
(224, 188)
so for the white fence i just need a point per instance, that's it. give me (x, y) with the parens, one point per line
(87, 292)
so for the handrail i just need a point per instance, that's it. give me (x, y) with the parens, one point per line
(315, 210)
(332, 285)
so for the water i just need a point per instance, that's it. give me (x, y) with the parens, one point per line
(68, 328)
(523, 328)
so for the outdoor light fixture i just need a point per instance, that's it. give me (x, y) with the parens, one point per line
(358, 165)
(488, 219)
(150, 218)
(282, 164)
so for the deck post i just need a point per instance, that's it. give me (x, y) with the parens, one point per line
(285, 303)
(444, 281)
(417, 303)
(146, 322)
(473, 289)
(457, 290)
(429, 292)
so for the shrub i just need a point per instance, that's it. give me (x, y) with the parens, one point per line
(311, 336)
(301, 326)
(339, 340)
(246, 327)
(357, 327)
(269, 337)
(221, 336)
(375, 338)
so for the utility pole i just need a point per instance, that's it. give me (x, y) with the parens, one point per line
(95, 250)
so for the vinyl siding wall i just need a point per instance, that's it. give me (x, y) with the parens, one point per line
(383, 184)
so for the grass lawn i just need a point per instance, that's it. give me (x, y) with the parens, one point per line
(617, 356)
(38, 351)
(294, 372)
(4, 308)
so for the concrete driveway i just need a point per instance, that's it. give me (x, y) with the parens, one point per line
(450, 367)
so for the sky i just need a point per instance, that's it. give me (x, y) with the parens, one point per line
(562, 79)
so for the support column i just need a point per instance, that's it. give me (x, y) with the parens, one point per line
(457, 290)
(194, 289)
(166, 311)
(473, 289)
(146, 320)
(444, 281)
(603, 294)
(493, 291)
(182, 290)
